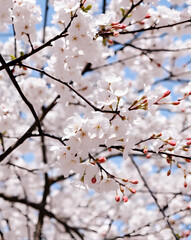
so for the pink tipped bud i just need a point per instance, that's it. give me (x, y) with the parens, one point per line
(134, 181)
(148, 15)
(172, 143)
(125, 180)
(117, 198)
(188, 142)
(114, 23)
(148, 155)
(93, 180)
(159, 135)
(187, 160)
(132, 190)
(101, 160)
(188, 138)
(169, 172)
(145, 150)
(175, 103)
(118, 25)
(185, 184)
(167, 93)
(125, 199)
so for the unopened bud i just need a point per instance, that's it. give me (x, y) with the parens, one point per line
(169, 172)
(167, 93)
(125, 199)
(172, 143)
(188, 142)
(148, 155)
(101, 160)
(117, 198)
(132, 190)
(187, 160)
(134, 181)
(93, 180)
(185, 184)
(121, 189)
(175, 103)
(148, 15)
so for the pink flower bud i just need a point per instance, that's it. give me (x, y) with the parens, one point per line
(187, 160)
(132, 190)
(125, 199)
(188, 142)
(185, 184)
(148, 155)
(148, 15)
(101, 160)
(172, 143)
(117, 198)
(114, 23)
(122, 26)
(176, 103)
(166, 94)
(134, 181)
(145, 150)
(93, 180)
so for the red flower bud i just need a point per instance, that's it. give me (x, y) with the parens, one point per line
(101, 160)
(125, 199)
(185, 184)
(132, 190)
(166, 94)
(172, 143)
(169, 172)
(117, 198)
(93, 180)
(187, 160)
(148, 155)
(134, 181)
(148, 15)
(188, 142)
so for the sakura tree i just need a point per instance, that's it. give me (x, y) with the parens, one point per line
(95, 120)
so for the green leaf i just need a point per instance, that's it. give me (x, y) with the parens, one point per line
(86, 9)
(123, 12)
(12, 57)
(22, 53)
(178, 235)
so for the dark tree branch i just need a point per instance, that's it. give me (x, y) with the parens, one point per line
(28, 132)
(30, 106)
(73, 90)
(154, 198)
